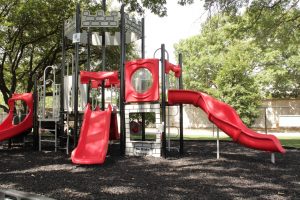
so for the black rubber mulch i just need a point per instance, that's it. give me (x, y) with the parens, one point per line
(240, 173)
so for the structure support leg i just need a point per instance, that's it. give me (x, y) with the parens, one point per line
(218, 144)
(273, 158)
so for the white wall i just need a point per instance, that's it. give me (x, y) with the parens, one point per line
(275, 110)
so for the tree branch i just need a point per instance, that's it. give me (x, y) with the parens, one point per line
(4, 108)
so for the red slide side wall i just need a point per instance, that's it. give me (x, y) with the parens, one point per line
(94, 135)
(226, 118)
(7, 128)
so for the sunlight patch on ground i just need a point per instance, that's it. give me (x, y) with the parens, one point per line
(279, 196)
(72, 193)
(78, 169)
(167, 173)
(8, 186)
(244, 182)
(193, 176)
(120, 190)
(47, 168)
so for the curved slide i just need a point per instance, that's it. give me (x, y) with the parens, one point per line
(94, 136)
(226, 118)
(7, 128)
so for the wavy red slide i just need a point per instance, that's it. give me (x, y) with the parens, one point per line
(226, 118)
(94, 136)
(7, 128)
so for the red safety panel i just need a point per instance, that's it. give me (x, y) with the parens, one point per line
(174, 68)
(95, 84)
(108, 84)
(86, 76)
(112, 83)
(152, 94)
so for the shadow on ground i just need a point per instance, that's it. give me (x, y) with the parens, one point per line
(240, 173)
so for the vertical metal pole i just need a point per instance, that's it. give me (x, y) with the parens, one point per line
(168, 133)
(62, 74)
(143, 38)
(35, 116)
(273, 158)
(55, 137)
(143, 56)
(266, 119)
(122, 83)
(9, 143)
(180, 108)
(88, 67)
(75, 86)
(103, 60)
(163, 101)
(143, 126)
(40, 136)
(218, 144)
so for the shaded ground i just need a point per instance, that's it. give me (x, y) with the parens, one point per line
(240, 173)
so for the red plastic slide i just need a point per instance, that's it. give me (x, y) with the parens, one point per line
(226, 118)
(7, 128)
(93, 142)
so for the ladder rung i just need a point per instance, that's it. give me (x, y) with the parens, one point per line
(47, 129)
(47, 140)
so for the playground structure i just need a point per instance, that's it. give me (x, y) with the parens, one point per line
(142, 87)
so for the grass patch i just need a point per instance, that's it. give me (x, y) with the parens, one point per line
(205, 138)
(290, 142)
(138, 137)
(293, 142)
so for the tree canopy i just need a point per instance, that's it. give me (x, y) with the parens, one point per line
(263, 31)
(240, 61)
(30, 40)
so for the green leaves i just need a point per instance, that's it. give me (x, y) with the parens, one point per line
(245, 57)
(30, 40)
(236, 82)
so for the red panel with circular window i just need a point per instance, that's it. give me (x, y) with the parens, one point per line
(142, 80)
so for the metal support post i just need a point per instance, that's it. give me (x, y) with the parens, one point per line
(218, 143)
(88, 67)
(143, 56)
(266, 119)
(62, 74)
(55, 137)
(76, 71)
(273, 158)
(103, 60)
(143, 126)
(163, 102)
(143, 38)
(35, 116)
(180, 108)
(122, 83)
(40, 136)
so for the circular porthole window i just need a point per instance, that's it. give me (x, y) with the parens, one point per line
(141, 80)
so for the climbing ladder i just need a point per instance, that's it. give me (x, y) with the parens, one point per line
(48, 112)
